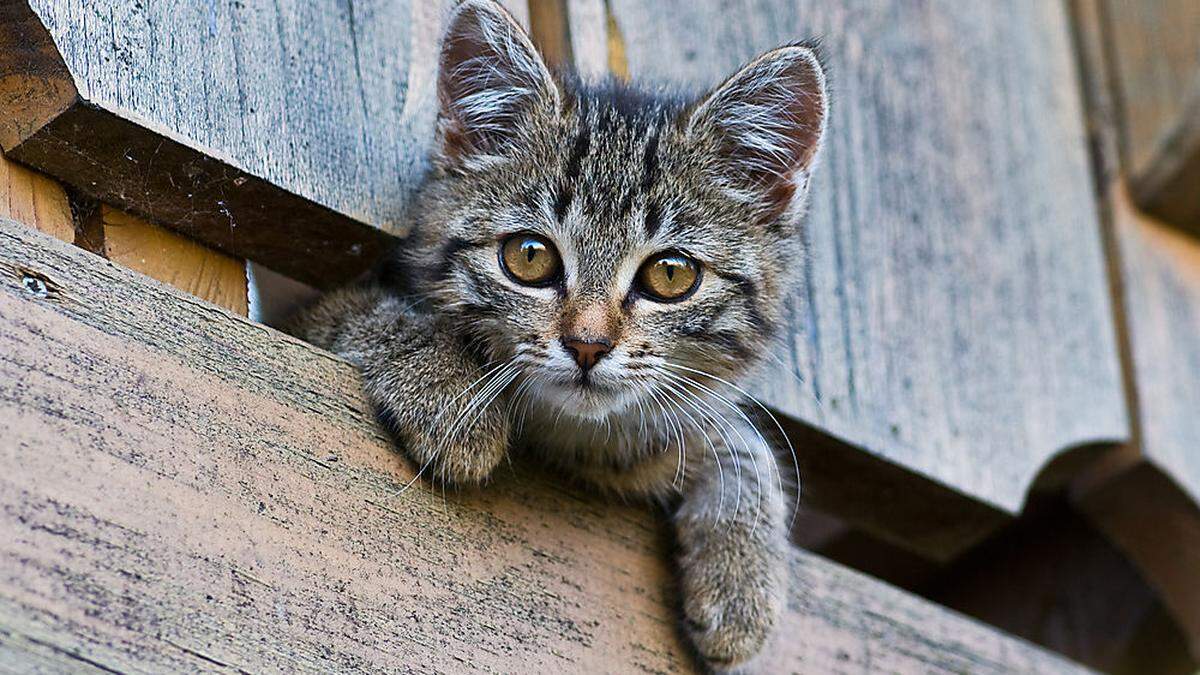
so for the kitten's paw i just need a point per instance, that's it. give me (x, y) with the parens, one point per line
(465, 455)
(730, 614)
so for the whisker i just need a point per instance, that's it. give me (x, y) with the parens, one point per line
(782, 433)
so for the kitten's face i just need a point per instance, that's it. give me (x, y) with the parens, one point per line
(608, 244)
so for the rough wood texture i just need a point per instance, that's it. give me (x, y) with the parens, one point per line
(271, 532)
(1149, 501)
(1155, 56)
(1146, 495)
(288, 132)
(172, 258)
(956, 320)
(31, 198)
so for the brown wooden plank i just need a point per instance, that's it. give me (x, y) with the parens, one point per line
(269, 531)
(172, 258)
(31, 198)
(1155, 57)
(287, 133)
(956, 321)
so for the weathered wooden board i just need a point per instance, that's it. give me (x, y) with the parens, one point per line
(187, 490)
(170, 257)
(287, 132)
(1152, 508)
(1155, 56)
(1146, 495)
(956, 320)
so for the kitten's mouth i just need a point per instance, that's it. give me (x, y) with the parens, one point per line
(583, 396)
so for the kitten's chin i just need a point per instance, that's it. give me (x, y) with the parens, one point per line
(586, 401)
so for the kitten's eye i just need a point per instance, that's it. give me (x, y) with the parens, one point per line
(530, 260)
(669, 277)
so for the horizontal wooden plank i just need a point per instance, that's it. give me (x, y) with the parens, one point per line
(1155, 57)
(956, 319)
(272, 530)
(287, 133)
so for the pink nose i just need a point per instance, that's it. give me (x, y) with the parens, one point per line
(586, 352)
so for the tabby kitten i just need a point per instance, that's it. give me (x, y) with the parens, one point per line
(590, 270)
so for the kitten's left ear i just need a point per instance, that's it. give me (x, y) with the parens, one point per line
(768, 120)
(489, 75)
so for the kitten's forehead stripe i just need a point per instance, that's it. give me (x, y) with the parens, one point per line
(653, 219)
(579, 150)
(650, 162)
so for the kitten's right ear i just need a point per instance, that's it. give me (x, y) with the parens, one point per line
(769, 121)
(490, 73)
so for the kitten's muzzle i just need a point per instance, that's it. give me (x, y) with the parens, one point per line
(586, 352)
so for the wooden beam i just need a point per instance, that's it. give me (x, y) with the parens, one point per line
(1155, 61)
(174, 259)
(274, 529)
(1145, 496)
(289, 134)
(31, 198)
(956, 321)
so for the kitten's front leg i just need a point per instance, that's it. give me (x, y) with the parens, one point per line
(733, 544)
(424, 385)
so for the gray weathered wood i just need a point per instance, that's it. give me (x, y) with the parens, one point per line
(187, 490)
(956, 320)
(1145, 495)
(288, 132)
(1155, 50)
(1152, 508)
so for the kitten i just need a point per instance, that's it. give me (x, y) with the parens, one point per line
(591, 269)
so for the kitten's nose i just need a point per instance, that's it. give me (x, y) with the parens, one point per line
(586, 352)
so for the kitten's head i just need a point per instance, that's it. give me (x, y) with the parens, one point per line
(608, 239)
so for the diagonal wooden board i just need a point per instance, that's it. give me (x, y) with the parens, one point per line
(956, 320)
(186, 490)
(290, 133)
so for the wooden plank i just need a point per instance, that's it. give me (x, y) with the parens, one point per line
(956, 320)
(174, 259)
(273, 532)
(1158, 479)
(1155, 57)
(35, 200)
(1145, 496)
(288, 133)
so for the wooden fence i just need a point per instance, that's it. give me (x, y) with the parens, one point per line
(989, 317)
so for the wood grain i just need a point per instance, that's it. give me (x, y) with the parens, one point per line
(956, 320)
(271, 530)
(1145, 495)
(35, 200)
(289, 133)
(172, 258)
(1155, 57)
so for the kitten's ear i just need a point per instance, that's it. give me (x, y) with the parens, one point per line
(489, 74)
(768, 120)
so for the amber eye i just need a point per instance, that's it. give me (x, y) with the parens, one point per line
(669, 277)
(530, 259)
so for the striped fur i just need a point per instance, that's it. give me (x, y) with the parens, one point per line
(465, 365)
